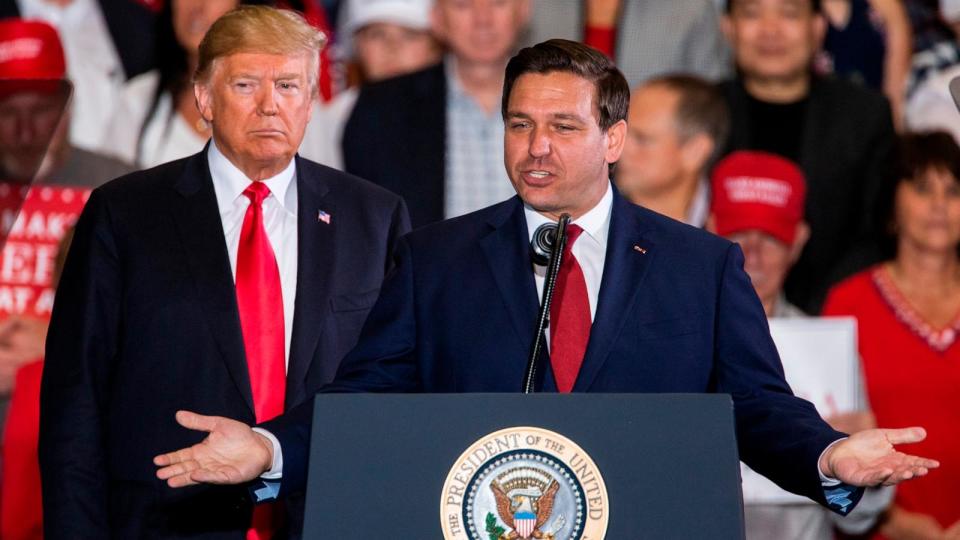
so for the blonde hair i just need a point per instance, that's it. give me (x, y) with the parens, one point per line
(260, 29)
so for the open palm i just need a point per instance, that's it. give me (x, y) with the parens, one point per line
(232, 453)
(869, 458)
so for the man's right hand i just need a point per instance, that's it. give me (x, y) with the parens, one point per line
(232, 453)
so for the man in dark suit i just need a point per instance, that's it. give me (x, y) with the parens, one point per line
(232, 282)
(841, 134)
(434, 137)
(643, 304)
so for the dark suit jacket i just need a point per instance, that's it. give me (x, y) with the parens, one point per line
(457, 315)
(846, 150)
(396, 138)
(145, 323)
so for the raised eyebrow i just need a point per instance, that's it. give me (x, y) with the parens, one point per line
(518, 115)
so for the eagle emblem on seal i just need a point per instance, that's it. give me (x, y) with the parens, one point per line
(524, 498)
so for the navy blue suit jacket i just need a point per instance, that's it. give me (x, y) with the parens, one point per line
(145, 323)
(678, 315)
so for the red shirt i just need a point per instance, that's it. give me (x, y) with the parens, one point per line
(912, 374)
(20, 504)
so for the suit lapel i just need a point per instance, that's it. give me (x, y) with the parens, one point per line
(316, 259)
(630, 251)
(197, 220)
(507, 251)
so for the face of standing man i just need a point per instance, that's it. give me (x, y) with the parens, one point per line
(556, 155)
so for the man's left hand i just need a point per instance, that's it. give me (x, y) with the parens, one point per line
(868, 458)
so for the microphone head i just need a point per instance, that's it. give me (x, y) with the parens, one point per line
(955, 91)
(541, 247)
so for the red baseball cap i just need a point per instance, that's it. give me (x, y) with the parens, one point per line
(31, 57)
(755, 190)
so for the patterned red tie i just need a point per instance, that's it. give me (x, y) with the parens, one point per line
(260, 300)
(569, 317)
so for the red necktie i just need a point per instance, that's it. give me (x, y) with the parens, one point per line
(260, 301)
(569, 317)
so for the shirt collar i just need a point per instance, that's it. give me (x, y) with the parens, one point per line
(700, 205)
(458, 95)
(229, 181)
(595, 223)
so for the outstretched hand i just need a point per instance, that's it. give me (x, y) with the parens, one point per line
(868, 458)
(232, 453)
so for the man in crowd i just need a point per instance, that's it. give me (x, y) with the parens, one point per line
(840, 134)
(635, 285)
(676, 126)
(232, 281)
(434, 137)
(106, 42)
(757, 202)
(385, 39)
(646, 38)
(35, 120)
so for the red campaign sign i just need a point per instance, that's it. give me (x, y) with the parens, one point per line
(29, 254)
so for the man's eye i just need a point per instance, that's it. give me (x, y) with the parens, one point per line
(563, 128)
(519, 125)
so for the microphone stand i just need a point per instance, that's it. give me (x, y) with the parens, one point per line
(553, 268)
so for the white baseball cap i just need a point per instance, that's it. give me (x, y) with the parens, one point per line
(410, 13)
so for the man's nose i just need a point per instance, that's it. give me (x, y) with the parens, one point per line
(267, 100)
(539, 143)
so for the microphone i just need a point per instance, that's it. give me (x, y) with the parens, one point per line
(542, 244)
(547, 245)
(955, 91)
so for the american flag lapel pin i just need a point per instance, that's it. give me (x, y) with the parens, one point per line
(323, 216)
(639, 249)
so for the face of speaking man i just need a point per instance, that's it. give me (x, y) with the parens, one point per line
(258, 105)
(556, 155)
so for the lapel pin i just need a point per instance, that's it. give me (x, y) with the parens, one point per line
(323, 216)
(639, 249)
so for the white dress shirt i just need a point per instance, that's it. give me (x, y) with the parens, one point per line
(279, 219)
(590, 249)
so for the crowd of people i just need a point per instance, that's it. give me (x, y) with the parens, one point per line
(837, 112)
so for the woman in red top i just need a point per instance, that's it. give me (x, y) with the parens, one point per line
(908, 312)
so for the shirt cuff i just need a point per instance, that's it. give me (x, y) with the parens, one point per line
(276, 468)
(825, 481)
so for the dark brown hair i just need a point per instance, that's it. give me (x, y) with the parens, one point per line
(612, 93)
(916, 154)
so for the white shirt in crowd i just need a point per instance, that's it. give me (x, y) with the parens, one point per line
(166, 137)
(93, 65)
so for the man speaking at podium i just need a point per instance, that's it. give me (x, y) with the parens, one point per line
(643, 304)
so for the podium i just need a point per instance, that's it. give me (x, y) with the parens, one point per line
(514, 466)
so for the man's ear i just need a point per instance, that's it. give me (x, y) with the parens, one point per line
(799, 241)
(726, 26)
(204, 99)
(616, 136)
(437, 24)
(696, 152)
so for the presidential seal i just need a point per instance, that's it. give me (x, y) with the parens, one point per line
(523, 483)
